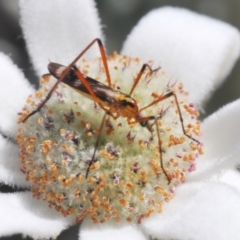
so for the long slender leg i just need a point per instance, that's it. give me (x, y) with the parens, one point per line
(162, 98)
(160, 152)
(96, 145)
(144, 121)
(90, 89)
(104, 59)
(159, 99)
(144, 66)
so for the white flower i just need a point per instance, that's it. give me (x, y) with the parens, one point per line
(194, 49)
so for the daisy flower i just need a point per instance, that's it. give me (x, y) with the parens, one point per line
(191, 49)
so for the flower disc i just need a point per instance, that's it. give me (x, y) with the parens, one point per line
(130, 165)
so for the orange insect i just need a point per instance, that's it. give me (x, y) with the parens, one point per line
(114, 102)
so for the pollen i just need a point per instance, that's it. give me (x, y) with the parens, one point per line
(97, 157)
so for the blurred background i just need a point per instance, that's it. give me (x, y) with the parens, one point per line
(118, 18)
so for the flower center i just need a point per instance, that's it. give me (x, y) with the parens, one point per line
(88, 165)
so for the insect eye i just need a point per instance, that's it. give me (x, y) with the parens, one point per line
(124, 102)
(144, 123)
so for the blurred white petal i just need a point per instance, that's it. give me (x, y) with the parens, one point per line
(14, 89)
(10, 164)
(109, 231)
(232, 178)
(58, 30)
(196, 50)
(25, 215)
(199, 211)
(221, 138)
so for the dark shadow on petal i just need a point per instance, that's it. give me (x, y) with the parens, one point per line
(70, 233)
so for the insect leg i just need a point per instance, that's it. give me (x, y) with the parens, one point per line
(144, 66)
(144, 122)
(162, 98)
(149, 127)
(67, 70)
(90, 89)
(160, 152)
(96, 145)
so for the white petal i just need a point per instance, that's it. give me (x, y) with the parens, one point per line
(10, 164)
(199, 211)
(221, 138)
(232, 178)
(58, 30)
(14, 89)
(194, 49)
(109, 231)
(23, 214)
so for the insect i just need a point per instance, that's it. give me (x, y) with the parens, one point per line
(113, 102)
